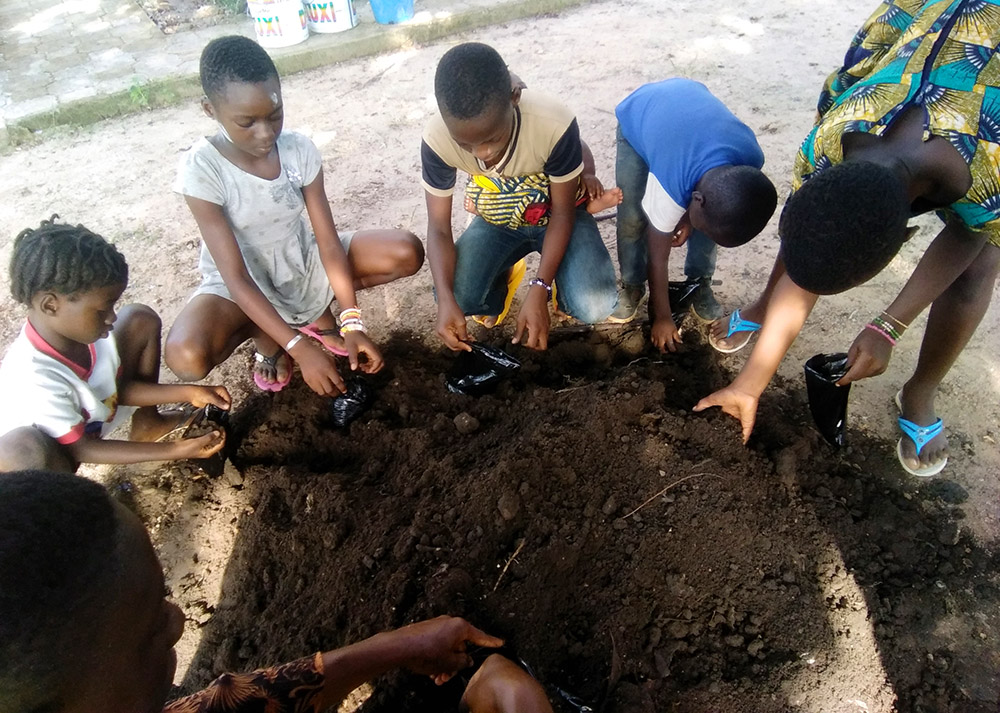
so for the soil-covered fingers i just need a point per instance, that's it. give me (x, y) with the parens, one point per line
(738, 404)
(203, 446)
(452, 328)
(319, 371)
(665, 335)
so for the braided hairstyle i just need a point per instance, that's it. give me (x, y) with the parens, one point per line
(471, 80)
(65, 259)
(233, 59)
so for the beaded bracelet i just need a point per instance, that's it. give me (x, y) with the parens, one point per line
(898, 323)
(352, 325)
(887, 327)
(349, 314)
(875, 328)
(541, 283)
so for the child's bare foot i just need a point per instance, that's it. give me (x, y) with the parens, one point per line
(272, 373)
(609, 199)
(917, 406)
(470, 205)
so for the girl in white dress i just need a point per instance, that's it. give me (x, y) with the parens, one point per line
(269, 273)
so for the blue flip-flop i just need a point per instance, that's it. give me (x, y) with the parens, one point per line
(921, 436)
(737, 325)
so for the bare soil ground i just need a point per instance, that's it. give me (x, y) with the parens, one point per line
(781, 576)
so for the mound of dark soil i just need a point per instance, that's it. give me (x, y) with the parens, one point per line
(636, 555)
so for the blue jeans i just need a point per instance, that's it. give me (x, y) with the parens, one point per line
(485, 253)
(631, 173)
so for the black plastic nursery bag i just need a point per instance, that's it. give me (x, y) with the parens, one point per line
(478, 372)
(352, 403)
(681, 296)
(827, 401)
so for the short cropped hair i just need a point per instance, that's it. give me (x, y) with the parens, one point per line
(739, 200)
(233, 59)
(843, 226)
(65, 259)
(59, 536)
(471, 80)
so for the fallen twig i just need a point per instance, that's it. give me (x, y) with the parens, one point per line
(676, 482)
(517, 551)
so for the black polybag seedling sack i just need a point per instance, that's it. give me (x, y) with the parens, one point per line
(827, 401)
(478, 372)
(352, 403)
(681, 296)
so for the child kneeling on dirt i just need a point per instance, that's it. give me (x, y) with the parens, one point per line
(270, 273)
(525, 148)
(689, 171)
(76, 366)
(86, 627)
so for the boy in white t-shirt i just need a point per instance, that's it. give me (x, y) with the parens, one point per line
(69, 378)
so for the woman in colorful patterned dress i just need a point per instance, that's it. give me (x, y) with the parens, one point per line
(909, 124)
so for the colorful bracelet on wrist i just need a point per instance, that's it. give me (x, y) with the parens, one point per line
(885, 333)
(541, 283)
(351, 313)
(895, 321)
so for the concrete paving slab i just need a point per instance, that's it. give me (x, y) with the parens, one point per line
(73, 62)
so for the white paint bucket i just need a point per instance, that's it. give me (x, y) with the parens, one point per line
(278, 23)
(330, 15)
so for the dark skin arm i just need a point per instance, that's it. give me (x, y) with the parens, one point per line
(318, 368)
(144, 393)
(436, 648)
(96, 450)
(664, 336)
(451, 325)
(338, 271)
(947, 257)
(534, 315)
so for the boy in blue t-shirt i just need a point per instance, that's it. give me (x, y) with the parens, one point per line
(688, 169)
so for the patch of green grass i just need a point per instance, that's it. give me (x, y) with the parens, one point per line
(232, 7)
(138, 94)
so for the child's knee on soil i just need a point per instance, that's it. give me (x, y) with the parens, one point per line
(501, 686)
(28, 448)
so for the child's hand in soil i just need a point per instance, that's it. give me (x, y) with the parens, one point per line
(437, 647)
(868, 356)
(204, 446)
(358, 344)
(451, 326)
(739, 404)
(501, 686)
(665, 335)
(318, 368)
(211, 395)
(534, 319)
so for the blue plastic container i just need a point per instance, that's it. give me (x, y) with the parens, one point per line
(389, 12)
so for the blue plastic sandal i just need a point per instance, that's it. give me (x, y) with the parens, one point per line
(737, 325)
(921, 436)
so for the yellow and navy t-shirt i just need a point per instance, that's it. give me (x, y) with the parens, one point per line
(544, 148)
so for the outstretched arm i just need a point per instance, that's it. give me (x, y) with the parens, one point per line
(787, 311)
(436, 648)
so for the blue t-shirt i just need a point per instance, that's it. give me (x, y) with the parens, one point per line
(682, 131)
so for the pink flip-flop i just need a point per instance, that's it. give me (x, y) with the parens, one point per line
(272, 362)
(310, 330)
